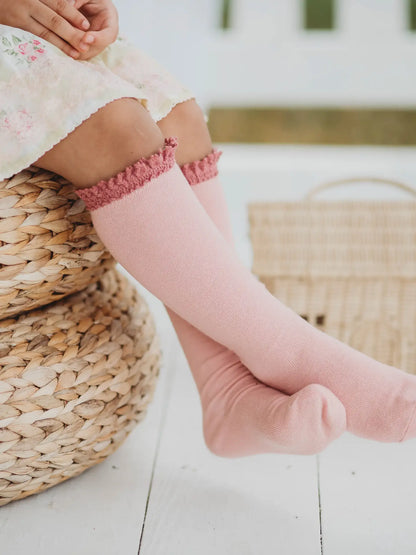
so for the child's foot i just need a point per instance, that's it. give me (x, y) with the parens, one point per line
(242, 416)
(380, 400)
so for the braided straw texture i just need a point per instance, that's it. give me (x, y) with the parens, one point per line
(76, 377)
(48, 246)
(348, 267)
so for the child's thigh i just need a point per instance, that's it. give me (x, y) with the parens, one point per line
(114, 137)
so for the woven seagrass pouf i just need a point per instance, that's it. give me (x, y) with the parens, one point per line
(48, 245)
(76, 376)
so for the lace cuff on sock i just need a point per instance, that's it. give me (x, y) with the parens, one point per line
(132, 177)
(202, 170)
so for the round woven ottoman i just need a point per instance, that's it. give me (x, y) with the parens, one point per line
(48, 245)
(76, 376)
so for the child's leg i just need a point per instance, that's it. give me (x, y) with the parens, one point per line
(151, 221)
(235, 404)
(241, 415)
(376, 396)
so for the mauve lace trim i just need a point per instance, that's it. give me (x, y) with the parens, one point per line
(134, 176)
(202, 170)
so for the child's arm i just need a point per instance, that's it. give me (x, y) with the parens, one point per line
(56, 21)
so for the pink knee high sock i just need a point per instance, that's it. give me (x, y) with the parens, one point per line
(242, 416)
(152, 223)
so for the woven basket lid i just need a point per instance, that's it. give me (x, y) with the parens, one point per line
(349, 238)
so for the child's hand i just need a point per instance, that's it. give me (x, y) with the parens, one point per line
(56, 21)
(103, 18)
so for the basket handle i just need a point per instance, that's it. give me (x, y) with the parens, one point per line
(323, 186)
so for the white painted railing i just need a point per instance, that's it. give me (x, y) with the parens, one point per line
(266, 58)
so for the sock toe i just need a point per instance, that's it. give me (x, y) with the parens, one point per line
(328, 417)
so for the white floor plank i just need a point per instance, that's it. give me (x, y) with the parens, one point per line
(368, 496)
(101, 511)
(204, 504)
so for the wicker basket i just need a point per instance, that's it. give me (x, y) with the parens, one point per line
(348, 267)
(76, 377)
(48, 246)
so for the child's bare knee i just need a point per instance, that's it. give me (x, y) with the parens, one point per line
(114, 137)
(186, 122)
(126, 123)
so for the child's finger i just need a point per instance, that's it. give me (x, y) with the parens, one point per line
(78, 3)
(105, 36)
(68, 12)
(37, 29)
(52, 21)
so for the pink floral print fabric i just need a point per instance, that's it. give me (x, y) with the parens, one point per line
(45, 94)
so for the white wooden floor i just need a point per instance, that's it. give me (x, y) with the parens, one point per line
(164, 493)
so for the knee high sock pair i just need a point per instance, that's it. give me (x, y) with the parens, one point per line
(241, 415)
(154, 225)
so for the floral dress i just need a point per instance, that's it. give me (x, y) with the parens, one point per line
(45, 94)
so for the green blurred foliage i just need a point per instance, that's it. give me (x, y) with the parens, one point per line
(319, 14)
